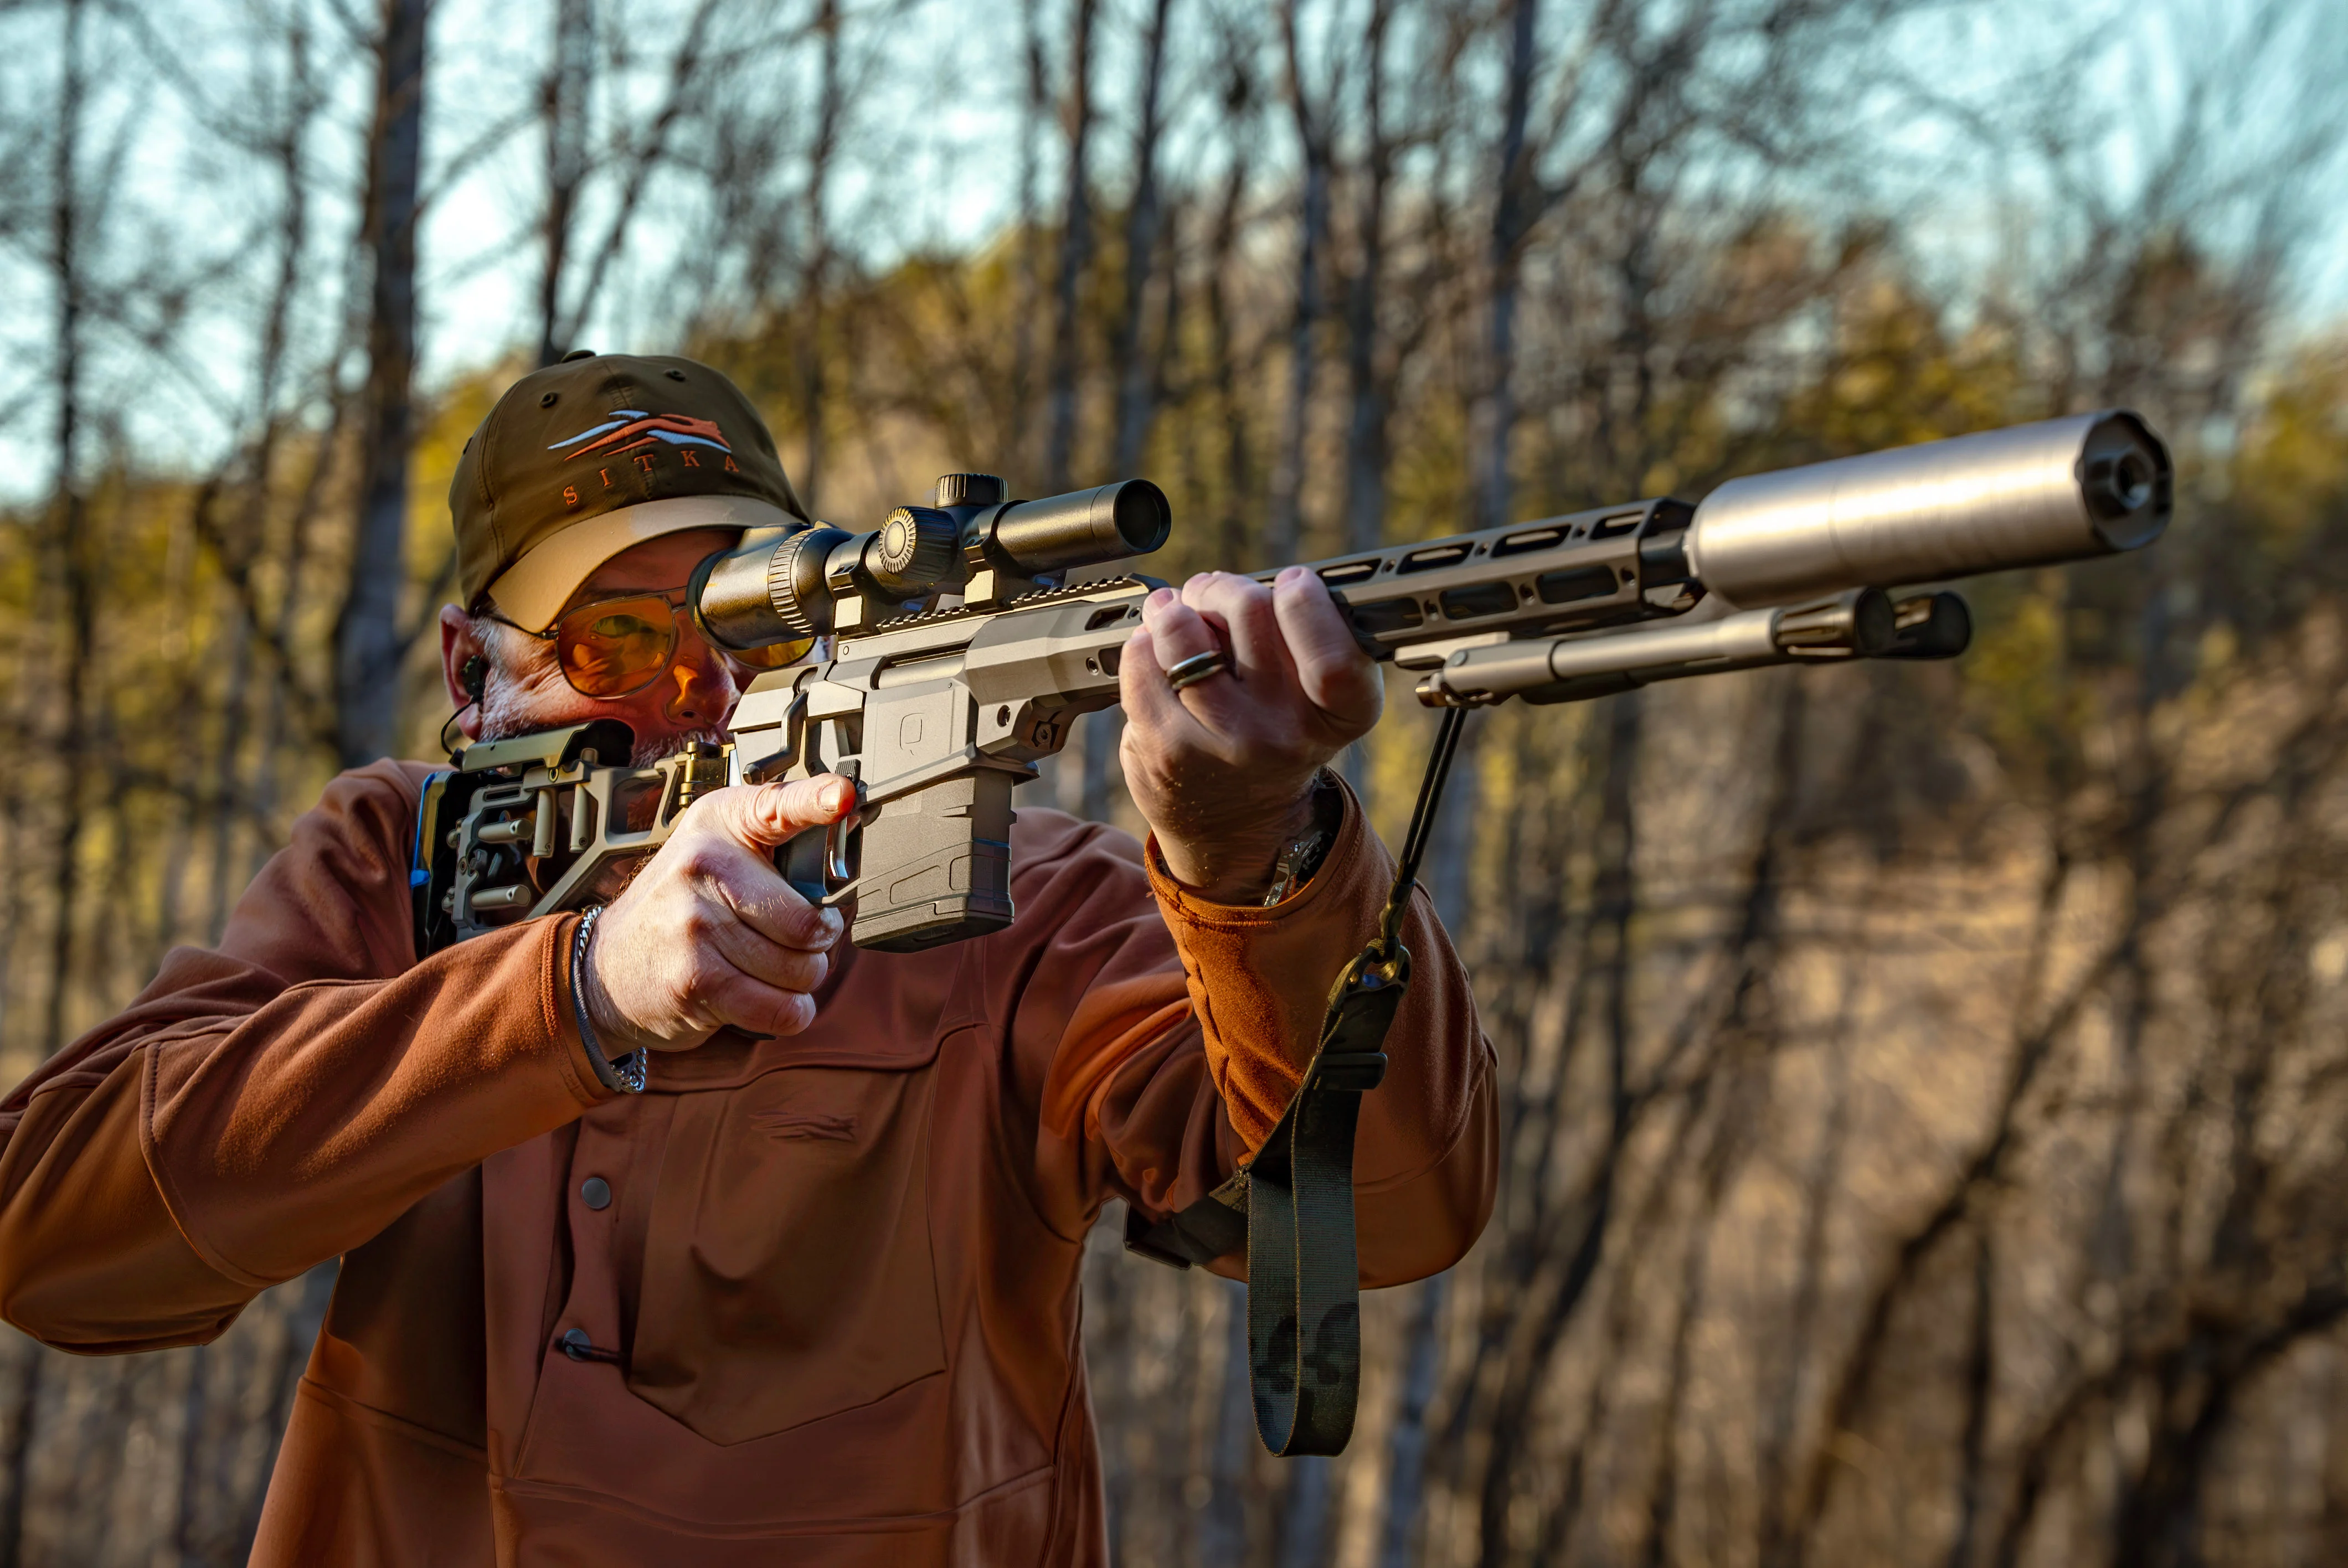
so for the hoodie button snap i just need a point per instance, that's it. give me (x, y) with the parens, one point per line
(595, 1193)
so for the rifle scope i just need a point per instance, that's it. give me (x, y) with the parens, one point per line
(2030, 494)
(786, 585)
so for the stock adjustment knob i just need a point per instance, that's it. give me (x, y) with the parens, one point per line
(912, 550)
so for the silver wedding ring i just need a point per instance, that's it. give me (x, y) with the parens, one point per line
(1197, 668)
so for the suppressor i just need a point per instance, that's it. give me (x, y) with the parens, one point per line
(2030, 495)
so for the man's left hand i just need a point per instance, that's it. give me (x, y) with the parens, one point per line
(1223, 769)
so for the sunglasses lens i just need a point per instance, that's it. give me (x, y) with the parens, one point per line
(611, 649)
(774, 655)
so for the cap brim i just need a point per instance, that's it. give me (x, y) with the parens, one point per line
(533, 591)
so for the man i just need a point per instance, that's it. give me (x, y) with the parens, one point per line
(749, 1246)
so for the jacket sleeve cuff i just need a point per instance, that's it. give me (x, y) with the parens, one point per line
(1259, 976)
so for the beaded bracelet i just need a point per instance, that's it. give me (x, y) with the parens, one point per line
(627, 1074)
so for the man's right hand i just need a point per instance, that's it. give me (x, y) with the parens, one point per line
(709, 935)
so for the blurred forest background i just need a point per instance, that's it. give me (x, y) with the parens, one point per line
(1925, 1089)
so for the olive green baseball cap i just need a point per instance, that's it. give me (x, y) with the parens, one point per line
(582, 459)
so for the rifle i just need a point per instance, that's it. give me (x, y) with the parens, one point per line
(961, 654)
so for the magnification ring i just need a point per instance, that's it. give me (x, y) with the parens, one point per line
(1197, 668)
(786, 582)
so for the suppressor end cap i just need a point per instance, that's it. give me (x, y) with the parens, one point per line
(2127, 480)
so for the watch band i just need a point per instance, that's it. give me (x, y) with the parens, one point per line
(1300, 857)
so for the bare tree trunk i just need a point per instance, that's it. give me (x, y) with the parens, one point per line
(1136, 386)
(1981, 1366)
(1365, 427)
(367, 644)
(187, 722)
(18, 1457)
(1517, 205)
(1314, 136)
(1366, 421)
(15, 834)
(277, 738)
(1135, 370)
(293, 249)
(1222, 350)
(638, 162)
(1075, 255)
(69, 542)
(1422, 1359)
(1222, 1535)
(1781, 1417)
(816, 272)
(228, 807)
(1571, 1260)
(1305, 1524)
(1033, 104)
(563, 104)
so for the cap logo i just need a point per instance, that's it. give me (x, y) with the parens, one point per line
(630, 429)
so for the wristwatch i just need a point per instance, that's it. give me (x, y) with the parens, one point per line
(1300, 857)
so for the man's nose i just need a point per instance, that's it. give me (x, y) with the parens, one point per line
(702, 691)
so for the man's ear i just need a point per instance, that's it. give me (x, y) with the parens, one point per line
(464, 667)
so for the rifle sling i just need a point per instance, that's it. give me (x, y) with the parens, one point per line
(1293, 1203)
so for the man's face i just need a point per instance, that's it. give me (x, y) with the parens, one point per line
(690, 700)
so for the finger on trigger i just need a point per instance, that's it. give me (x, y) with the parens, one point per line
(769, 815)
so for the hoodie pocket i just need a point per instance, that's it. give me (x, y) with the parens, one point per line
(786, 1267)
